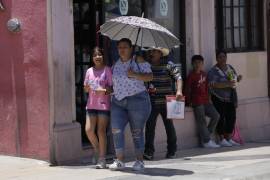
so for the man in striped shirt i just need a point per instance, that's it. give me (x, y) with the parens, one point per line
(166, 76)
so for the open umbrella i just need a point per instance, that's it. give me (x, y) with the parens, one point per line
(141, 31)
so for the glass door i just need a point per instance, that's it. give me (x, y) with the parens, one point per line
(86, 24)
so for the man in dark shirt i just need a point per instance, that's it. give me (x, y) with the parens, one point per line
(162, 84)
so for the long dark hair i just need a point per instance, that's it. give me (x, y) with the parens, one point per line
(94, 51)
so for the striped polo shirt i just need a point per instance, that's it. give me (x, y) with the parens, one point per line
(163, 81)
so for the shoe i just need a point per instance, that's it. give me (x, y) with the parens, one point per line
(233, 142)
(94, 158)
(225, 143)
(170, 155)
(101, 164)
(117, 165)
(147, 156)
(138, 166)
(211, 144)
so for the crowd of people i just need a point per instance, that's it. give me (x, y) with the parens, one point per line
(133, 92)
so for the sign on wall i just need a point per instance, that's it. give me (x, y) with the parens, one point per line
(163, 7)
(123, 7)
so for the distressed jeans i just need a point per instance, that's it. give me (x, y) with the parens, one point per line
(134, 110)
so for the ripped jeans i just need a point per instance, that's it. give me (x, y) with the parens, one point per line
(134, 110)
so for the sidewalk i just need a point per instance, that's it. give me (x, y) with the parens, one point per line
(248, 162)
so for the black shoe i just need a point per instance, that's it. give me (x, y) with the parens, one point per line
(171, 155)
(148, 156)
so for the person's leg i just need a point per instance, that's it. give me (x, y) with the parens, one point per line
(199, 113)
(90, 129)
(150, 132)
(230, 118)
(214, 116)
(219, 105)
(170, 131)
(139, 109)
(103, 119)
(119, 120)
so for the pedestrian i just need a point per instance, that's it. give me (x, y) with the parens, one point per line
(98, 83)
(223, 78)
(130, 103)
(165, 74)
(197, 96)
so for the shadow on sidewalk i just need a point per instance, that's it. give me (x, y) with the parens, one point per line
(165, 172)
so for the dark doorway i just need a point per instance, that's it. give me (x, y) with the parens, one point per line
(89, 15)
(87, 18)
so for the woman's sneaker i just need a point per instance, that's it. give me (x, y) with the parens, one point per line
(225, 143)
(138, 166)
(211, 144)
(233, 142)
(101, 164)
(170, 155)
(117, 165)
(148, 156)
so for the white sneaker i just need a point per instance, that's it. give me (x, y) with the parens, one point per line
(138, 166)
(225, 143)
(211, 144)
(101, 164)
(117, 165)
(233, 142)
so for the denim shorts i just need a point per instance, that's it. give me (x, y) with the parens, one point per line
(96, 112)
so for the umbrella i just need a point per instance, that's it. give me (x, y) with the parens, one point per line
(141, 31)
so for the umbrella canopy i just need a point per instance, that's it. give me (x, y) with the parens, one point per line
(141, 31)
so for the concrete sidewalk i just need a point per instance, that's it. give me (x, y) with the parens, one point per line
(248, 162)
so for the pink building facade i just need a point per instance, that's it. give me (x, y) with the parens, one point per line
(38, 75)
(24, 81)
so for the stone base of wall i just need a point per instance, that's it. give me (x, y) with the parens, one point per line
(66, 146)
(253, 119)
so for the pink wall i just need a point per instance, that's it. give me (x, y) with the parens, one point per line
(24, 91)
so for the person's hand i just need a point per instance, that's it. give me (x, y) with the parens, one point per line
(108, 90)
(100, 91)
(87, 88)
(239, 78)
(232, 83)
(179, 96)
(131, 73)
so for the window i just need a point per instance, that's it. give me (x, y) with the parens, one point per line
(239, 25)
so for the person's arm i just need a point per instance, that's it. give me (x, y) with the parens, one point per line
(179, 85)
(222, 85)
(214, 82)
(176, 73)
(146, 77)
(142, 76)
(86, 87)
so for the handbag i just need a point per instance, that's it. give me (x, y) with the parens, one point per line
(236, 135)
(175, 109)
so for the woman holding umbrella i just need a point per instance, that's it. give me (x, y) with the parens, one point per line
(130, 102)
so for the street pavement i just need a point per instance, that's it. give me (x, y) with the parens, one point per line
(248, 162)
